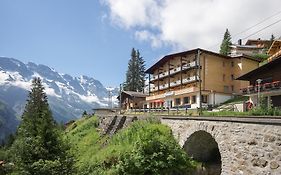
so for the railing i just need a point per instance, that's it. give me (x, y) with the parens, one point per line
(176, 83)
(153, 89)
(164, 86)
(190, 79)
(174, 71)
(262, 88)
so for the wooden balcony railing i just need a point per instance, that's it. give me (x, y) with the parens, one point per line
(174, 71)
(262, 87)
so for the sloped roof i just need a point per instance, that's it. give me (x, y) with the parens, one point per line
(257, 41)
(167, 57)
(134, 94)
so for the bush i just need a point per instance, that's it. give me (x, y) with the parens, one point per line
(145, 147)
(265, 110)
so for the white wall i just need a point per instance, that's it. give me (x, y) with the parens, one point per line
(219, 98)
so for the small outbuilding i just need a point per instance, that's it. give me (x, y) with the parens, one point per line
(132, 100)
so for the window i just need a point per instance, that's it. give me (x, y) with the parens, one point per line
(232, 64)
(186, 100)
(223, 77)
(232, 88)
(204, 98)
(225, 89)
(178, 101)
(193, 99)
(232, 77)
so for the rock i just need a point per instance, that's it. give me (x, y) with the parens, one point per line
(252, 142)
(268, 138)
(259, 162)
(274, 165)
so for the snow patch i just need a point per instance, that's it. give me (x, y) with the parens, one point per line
(3, 76)
(36, 74)
(51, 92)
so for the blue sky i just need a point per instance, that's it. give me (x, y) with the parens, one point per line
(71, 36)
(95, 37)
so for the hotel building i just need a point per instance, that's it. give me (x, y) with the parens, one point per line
(174, 81)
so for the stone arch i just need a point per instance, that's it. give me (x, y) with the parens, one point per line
(202, 147)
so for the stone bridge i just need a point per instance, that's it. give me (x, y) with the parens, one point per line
(248, 146)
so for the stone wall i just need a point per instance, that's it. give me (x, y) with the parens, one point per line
(245, 148)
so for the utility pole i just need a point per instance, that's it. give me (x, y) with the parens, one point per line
(120, 98)
(259, 91)
(200, 88)
(109, 99)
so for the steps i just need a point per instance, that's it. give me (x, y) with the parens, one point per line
(110, 125)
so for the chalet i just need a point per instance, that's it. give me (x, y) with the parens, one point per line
(184, 79)
(132, 100)
(251, 47)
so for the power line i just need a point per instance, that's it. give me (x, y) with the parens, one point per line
(247, 29)
(262, 29)
(262, 21)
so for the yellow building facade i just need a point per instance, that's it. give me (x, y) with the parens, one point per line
(174, 81)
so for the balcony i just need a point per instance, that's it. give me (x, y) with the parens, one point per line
(175, 83)
(164, 86)
(189, 65)
(266, 87)
(190, 79)
(174, 70)
(153, 89)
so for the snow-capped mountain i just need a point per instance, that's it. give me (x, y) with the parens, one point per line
(68, 96)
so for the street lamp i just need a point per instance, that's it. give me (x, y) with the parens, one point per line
(120, 98)
(120, 92)
(259, 89)
(110, 98)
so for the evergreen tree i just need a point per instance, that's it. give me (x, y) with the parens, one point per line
(84, 114)
(39, 147)
(226, 43)
(135, 75)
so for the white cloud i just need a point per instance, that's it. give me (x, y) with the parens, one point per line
(186, 24)
(132, 13)
(145, 35)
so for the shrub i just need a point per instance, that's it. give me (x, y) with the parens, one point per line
(145, 147)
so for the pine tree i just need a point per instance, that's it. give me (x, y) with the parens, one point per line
(226, 42)
(135, 75)
(38, 147)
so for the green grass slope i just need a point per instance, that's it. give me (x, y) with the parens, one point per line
(145, 147)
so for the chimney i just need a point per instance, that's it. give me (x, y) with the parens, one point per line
(240, 42)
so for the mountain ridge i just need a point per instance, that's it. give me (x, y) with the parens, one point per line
(68, 96)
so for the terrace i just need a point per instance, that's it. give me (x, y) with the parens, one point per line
(266, 87)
